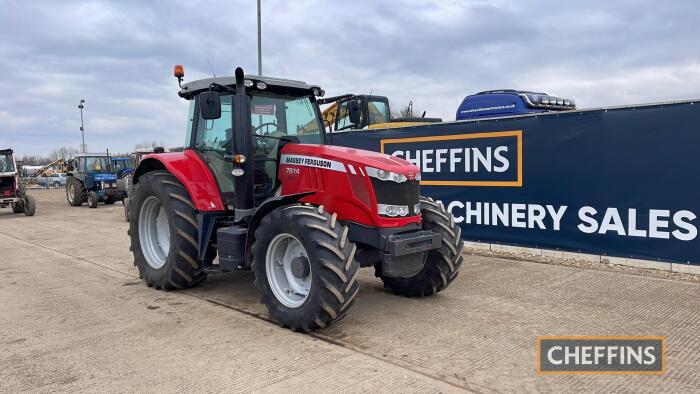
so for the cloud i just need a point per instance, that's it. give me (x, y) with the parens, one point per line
(118, 56)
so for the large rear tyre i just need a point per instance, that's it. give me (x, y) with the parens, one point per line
(441, 265)
(163, 231)
(305, 267)
(75, 191)
(29, 205)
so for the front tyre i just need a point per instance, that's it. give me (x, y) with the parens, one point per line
(163, 231)
(92, 199)
(18, 207)
(29, 205)
(305, 267)
(441, 265)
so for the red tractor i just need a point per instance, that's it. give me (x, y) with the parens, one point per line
(257, 186)
(13, 190)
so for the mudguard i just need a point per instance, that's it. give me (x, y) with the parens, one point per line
(192, 172)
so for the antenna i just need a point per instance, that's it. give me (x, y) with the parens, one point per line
(211, 68)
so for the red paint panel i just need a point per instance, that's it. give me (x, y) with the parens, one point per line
(189, 168)
(351, 200)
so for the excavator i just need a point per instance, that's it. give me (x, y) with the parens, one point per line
(60, 164)
(353, 112)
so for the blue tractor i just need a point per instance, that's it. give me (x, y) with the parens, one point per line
(122, 166)
(496, 103)
(91, 179)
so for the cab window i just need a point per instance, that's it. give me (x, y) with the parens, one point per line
(343, 117)
(378, 112)
(215, 134)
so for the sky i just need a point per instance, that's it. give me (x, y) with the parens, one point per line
(118, 56)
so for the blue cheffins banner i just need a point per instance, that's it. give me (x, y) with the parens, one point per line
(619, 181)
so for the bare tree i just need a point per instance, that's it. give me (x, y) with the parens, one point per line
(34, 160)
(147, 145)
(63, 152)
(406, 111)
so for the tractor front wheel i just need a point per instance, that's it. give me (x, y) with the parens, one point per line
(163, 231)
(92, 199)
(29, 205)
(441, 265)
(18, 207)
(305, 267)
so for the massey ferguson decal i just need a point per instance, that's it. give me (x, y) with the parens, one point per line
(311, 161)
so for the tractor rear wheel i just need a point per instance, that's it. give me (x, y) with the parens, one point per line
(441, 265)
(92, 199)
(29, 205)
(163, 231)
(305, 267)
(75, 191)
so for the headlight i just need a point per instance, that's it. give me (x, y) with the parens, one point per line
(385, 175)
(392, 210)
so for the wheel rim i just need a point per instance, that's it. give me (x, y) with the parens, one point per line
(154, 232)
(287, 288)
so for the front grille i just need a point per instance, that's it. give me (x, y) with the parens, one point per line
(7, 186)
(392, 193)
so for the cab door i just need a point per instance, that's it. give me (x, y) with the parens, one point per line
(214, 143)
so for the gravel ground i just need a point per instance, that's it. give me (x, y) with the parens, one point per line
(75, 317)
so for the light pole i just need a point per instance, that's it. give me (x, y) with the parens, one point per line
(259, 43)
(82, 128)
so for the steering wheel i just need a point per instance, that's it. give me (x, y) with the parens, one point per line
(268, 124)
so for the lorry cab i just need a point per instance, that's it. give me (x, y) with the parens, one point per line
(508, 102)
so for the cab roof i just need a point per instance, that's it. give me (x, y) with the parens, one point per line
(190, 88)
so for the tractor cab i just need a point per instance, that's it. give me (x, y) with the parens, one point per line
(13, 190)
(122, 166)
(8, 175)
(281, 111)
(94, 170)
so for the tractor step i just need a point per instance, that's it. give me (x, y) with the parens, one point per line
(231, 243)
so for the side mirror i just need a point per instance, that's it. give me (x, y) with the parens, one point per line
(209, 105)
(354, 112)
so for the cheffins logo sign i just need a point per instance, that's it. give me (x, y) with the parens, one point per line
(478, 159)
